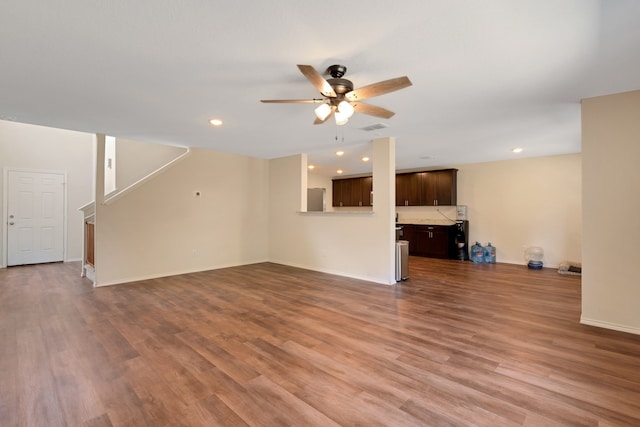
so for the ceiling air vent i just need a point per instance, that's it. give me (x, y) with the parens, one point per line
(376, 126)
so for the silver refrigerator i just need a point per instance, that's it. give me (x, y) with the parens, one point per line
(316, 200)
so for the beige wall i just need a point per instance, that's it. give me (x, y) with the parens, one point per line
(137, 159)
(611, 202)
(521, 203)
(354, 244)
(162, 228)
(24, 146)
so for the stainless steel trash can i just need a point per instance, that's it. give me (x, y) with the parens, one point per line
(402, 260)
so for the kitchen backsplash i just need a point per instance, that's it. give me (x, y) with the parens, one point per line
(426, 214)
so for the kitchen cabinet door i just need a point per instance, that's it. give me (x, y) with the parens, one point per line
(366, 185)
(432, 241)
(408, 189)
(439, 188)
(352, 192)
(439, 247)
(423, 243)
(337, 192)
(408, 234)
(343, 193)
(355, 191)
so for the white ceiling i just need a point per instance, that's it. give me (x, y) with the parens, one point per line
(487, 76)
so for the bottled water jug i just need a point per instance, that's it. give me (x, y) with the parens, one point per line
(490, 254)
(477, 253)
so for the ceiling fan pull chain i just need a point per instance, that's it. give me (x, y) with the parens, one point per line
(339, 133)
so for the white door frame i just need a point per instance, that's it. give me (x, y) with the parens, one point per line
(5, 209)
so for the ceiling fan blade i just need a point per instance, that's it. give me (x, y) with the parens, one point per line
(317, 80)
(372, 110)
(379, 88)
(293, 101)
(317, 121)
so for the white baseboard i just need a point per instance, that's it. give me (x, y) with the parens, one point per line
(609, 325)
(89, 272)
(335, 272)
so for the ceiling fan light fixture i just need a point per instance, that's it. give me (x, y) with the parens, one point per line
(323, 111)
(344, 107)
(341, 118)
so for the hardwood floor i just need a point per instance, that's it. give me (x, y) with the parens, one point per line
(268, 345)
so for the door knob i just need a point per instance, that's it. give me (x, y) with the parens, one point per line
(11, 223)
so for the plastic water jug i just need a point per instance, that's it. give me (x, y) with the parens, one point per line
(477, 253)
(490, 254)
(534, 255)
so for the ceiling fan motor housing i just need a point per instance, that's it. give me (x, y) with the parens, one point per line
(337, 71)
(341, 86)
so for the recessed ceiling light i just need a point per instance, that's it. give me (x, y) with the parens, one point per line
(215, 122)
(339, 153)
(517, 150)
(339, 171)
(365, 159)
(311, 167)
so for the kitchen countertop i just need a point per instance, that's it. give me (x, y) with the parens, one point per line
(426, 221)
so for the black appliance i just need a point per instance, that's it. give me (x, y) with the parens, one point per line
(461, 240)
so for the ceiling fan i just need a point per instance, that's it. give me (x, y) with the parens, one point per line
(339, 97)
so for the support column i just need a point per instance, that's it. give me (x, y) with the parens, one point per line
(384, 198)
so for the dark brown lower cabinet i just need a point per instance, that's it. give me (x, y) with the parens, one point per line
(408, 235)
(433, 241)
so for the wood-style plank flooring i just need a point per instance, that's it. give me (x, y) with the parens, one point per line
(458, 344)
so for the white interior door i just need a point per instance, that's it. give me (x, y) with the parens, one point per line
(35, 217)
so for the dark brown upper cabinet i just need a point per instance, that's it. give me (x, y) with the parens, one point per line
(349, 192)
(430, 188)
(439, 188)
(408, 187)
